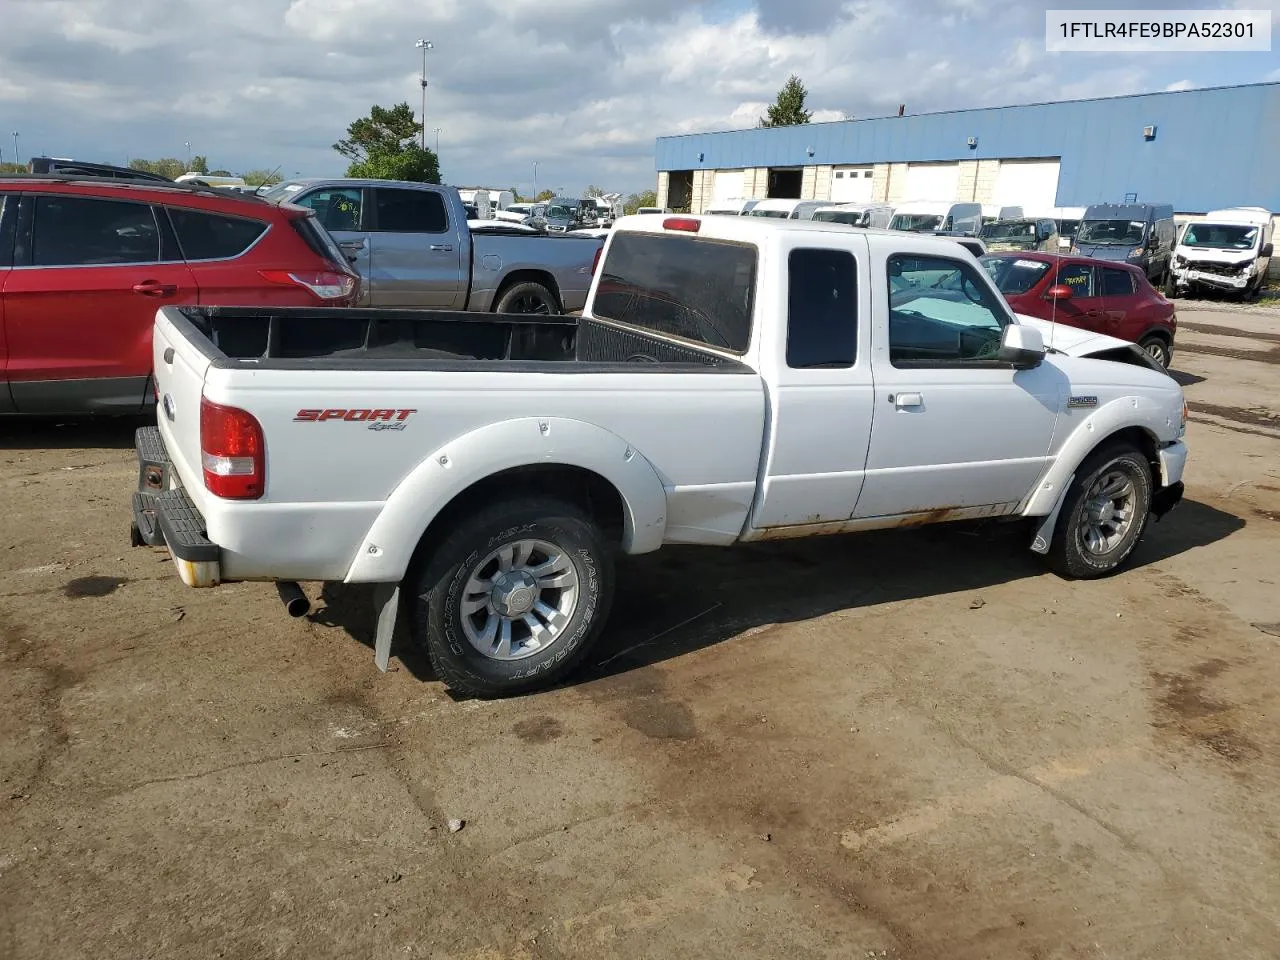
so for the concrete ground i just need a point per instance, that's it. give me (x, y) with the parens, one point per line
(908, 745)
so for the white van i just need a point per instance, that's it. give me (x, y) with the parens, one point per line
(730, 208)
(937, 216)
(210, 181)
(1229, 250)
(991, 212)
(875, 215)
(787, 209)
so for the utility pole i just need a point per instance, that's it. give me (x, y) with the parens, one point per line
(16, 154)
(535, 178)
(424, 45)
(437, 132)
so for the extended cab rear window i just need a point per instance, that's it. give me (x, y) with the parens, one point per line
(688, 287)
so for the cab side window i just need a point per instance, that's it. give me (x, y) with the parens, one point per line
(822, 313)
(337, 209)
(941, 313)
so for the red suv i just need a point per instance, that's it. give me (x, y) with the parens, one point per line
(1099, 295)
(85, 264)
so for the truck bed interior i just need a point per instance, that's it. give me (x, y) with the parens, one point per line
(301, 337)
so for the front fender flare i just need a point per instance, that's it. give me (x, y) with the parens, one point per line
(388, 547)
(1120, 414)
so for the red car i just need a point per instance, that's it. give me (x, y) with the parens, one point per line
(85, 263)
(1103, 296)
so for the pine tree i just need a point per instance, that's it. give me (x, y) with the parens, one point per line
(788, 110)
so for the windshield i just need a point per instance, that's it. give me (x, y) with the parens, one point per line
(1220, 236)
(1013, 275)
(775, 214)
(1009, 230)
(852, 217)
(915, 222)
(282, 191)
(1111, 233)
(1068, 228)
(559, 212)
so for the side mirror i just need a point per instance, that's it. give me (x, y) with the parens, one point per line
(1265, 251)
(1058, 292)
(1021, 346)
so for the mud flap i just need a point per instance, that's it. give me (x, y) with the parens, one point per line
(386, 597)
(1166, 499)
(1044, 534)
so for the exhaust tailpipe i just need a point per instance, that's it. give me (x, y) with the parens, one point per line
(294, 600)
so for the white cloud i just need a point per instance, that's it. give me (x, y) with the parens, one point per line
(583, 87)
(1180, 85)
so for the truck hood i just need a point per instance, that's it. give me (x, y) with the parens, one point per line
(995, 246)
(1072, 340)
(1105, 251)
(1212, 255)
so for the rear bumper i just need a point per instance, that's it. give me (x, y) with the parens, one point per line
(164, 516)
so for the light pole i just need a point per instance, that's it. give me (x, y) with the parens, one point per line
(16, 154)
(437, 133)
(424, 45)
(188, 145)
(535, 178)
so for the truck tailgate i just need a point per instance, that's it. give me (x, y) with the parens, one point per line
(180, 366)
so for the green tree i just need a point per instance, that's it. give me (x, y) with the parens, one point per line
(170, 167)
(260, 178)
(7, 167)
(593, 191)
(199, 165)
(515, 193)
(384, 146)
(788, 110)
(217, 173)
(637, 200)
(544, 195)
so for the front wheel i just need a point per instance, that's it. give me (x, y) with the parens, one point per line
(514, 597)
(1104, 514)
(1158, 349)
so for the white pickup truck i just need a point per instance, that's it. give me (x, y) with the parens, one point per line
(731, 379)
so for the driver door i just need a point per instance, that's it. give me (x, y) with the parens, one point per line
(953, 429)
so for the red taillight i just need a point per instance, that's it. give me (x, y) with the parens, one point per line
(324, 284)
(232, 452)
(687, 224)
(595, 262)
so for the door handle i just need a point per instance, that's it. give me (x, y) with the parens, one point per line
(153, 288)
(441, 247)
(352, 246)
(1093, 313)
(906, 401)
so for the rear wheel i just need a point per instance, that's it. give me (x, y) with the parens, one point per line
(514, 597)
(527, 297)
(1104, 514)
(1158, 349)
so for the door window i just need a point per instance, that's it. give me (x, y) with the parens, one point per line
(822, 316)
(941, 313)
(410, 211)
(83, 231)
(208, 236)
(1079, 278)
(337, 210)
(1116, 283)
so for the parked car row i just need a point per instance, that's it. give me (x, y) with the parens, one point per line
(87, 257)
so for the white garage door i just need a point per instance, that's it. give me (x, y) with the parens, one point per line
(851, 185)
(932, 181)
(728, 186)
(1030, 184)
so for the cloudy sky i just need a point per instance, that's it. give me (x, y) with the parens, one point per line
(581, 87)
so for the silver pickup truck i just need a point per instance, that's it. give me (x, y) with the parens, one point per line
(411, 244)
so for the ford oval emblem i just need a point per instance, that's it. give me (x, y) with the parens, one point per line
(170, 408)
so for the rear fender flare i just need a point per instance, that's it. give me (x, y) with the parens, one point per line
(1120, 414)
(388, 547)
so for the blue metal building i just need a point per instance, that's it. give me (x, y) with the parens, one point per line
(1197, 149)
